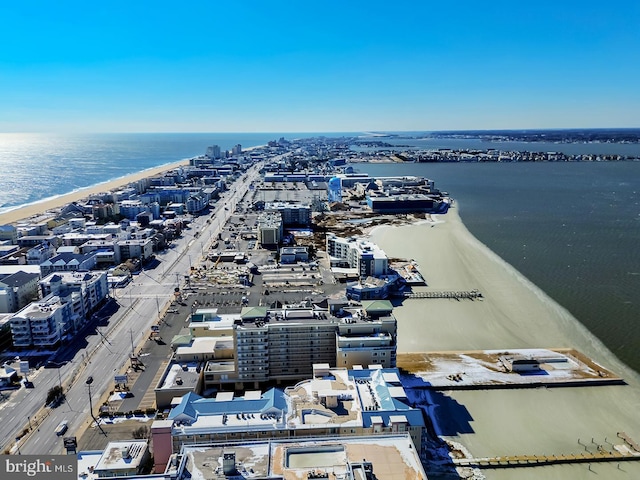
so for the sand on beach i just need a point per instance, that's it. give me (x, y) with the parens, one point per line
(38, 208)
(514, 313)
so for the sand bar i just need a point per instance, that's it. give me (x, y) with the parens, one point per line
(32, 209)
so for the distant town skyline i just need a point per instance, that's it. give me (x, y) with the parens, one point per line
(329, 67)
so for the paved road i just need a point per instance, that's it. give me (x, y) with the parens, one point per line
(104, 354)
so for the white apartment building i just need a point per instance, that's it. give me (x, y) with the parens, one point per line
(283, 345)
(68, 300)
(141, 249)
(357, 253)
(18, 290)
(91, 288)
(270, 228)
(41, 324)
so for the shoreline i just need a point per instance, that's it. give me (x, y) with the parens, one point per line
(43, 206)
(514, 313)
(451, 258)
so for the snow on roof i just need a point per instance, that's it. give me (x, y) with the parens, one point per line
(179, 377)
(486, 368)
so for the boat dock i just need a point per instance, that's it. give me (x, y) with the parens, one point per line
(615, 453)
(455, 295)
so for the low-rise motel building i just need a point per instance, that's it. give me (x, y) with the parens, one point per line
(333, 403)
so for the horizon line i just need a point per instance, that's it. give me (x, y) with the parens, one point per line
(368, 131)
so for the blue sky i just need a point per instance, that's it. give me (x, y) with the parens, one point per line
(301, 66)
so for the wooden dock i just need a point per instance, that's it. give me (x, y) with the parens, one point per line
(455, 295)
(629, 452)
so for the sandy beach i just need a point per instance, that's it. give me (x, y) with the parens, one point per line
(37, 208)
(514, 313)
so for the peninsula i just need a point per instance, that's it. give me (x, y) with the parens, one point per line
(259, 247)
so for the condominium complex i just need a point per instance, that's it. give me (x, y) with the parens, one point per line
(68, 300)
(293, 214)
(17, 290)
(261, 345)
(356, 458)
(357, 253)
(41, 324)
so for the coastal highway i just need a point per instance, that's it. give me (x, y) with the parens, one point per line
(105, 353)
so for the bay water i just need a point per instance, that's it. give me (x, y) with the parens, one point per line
(571, 228)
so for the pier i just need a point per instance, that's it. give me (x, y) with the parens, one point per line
(456, 295)
(618, 453)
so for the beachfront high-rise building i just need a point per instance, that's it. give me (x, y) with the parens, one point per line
(213, 152)
(236, 150)
(262, 345)
(360, 254)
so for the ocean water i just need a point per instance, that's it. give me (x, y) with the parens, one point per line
(573, 229)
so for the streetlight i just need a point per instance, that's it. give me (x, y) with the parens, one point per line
(88, 382)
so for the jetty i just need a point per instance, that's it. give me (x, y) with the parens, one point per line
(455, 295)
